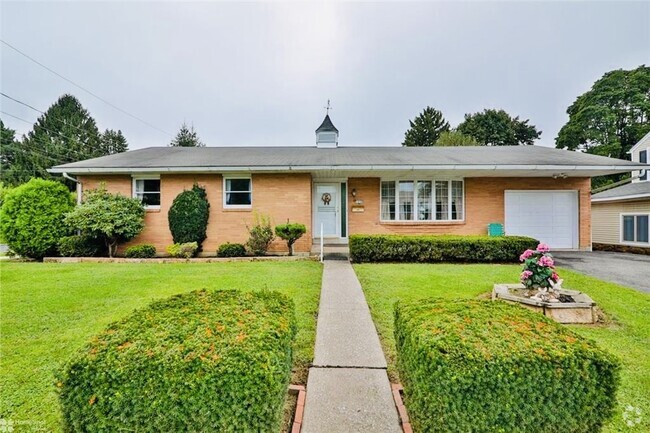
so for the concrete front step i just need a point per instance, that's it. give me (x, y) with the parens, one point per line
(332, 251)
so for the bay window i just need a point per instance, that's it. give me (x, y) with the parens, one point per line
(422, 200)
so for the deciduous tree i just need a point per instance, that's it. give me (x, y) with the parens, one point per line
(610, 117)
(113, 218)
(497, 128)
(455, 138)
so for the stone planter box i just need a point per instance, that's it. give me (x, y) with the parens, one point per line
(581, 311)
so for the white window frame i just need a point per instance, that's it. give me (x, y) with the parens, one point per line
(647, 158)
(415, 212)
(622, 227)
(237, 206)
(134, 193)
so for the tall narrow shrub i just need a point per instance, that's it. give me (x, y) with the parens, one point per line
(31, 217)
(260, 235)
(188, 216)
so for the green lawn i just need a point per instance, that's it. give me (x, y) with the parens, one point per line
(50, 310)
(627, 334)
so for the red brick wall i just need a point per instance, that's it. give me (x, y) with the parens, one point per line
(484, 204)
(281, 196)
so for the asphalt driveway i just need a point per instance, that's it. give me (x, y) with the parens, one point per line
(630, 270)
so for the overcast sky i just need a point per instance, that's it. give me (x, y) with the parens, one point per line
(261, 73)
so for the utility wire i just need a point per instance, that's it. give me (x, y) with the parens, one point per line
(63, 122)
(84, 89)
(79, 154)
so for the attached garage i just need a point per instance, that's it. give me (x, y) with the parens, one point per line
(550, 216)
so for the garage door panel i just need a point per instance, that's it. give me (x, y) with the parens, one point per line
(550, 216)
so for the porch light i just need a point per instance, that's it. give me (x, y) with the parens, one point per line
(354, 193)
(560, 176)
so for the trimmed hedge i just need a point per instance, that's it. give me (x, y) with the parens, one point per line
(199, 361)
(80, 246)
(438, 248)
(231, 250)
(482, 366)
(144, 251)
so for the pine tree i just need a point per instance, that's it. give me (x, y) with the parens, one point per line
(65, 133)
(10, 171)
(426, 128)
(186, 137)
(113, 142)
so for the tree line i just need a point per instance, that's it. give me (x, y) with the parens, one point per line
(606, 120)
(65, 133)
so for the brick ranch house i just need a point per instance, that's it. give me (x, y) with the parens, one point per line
(531, 190)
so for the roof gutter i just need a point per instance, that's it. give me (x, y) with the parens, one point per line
(621, 198)
(207, 169)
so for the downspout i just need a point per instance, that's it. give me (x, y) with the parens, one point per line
(78, 182)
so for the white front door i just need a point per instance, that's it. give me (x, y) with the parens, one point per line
(549, 216)
(326, 209)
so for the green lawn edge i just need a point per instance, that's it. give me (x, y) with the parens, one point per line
(626, 335)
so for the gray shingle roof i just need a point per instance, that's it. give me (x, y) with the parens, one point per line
(346, 158)
(625, 191)
(327, 125)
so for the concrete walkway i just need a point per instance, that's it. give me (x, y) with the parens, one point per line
(348, 388)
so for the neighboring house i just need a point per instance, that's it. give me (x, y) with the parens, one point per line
(532, 190)
(621, 215)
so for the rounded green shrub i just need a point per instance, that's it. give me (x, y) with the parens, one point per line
(186, 250)
(196, 362)
(79, 246)
(438, 248)
(290, 232)
(188, 216)
(32, 217)
(144, 251)
(489, 366)
(231, 250)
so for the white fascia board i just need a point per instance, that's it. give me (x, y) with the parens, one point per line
(621, 198)
(195, 169)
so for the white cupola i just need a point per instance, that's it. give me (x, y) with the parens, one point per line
(327, 136)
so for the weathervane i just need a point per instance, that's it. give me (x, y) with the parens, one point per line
(328, 107)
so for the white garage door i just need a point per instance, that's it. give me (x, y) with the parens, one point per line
(550, 216)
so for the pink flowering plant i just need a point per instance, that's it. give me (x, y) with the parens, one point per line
(539, 268)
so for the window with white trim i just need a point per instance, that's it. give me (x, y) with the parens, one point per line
(643, 157)
(422, 200)
(238, 192)
(147, 190)
(635, 228)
